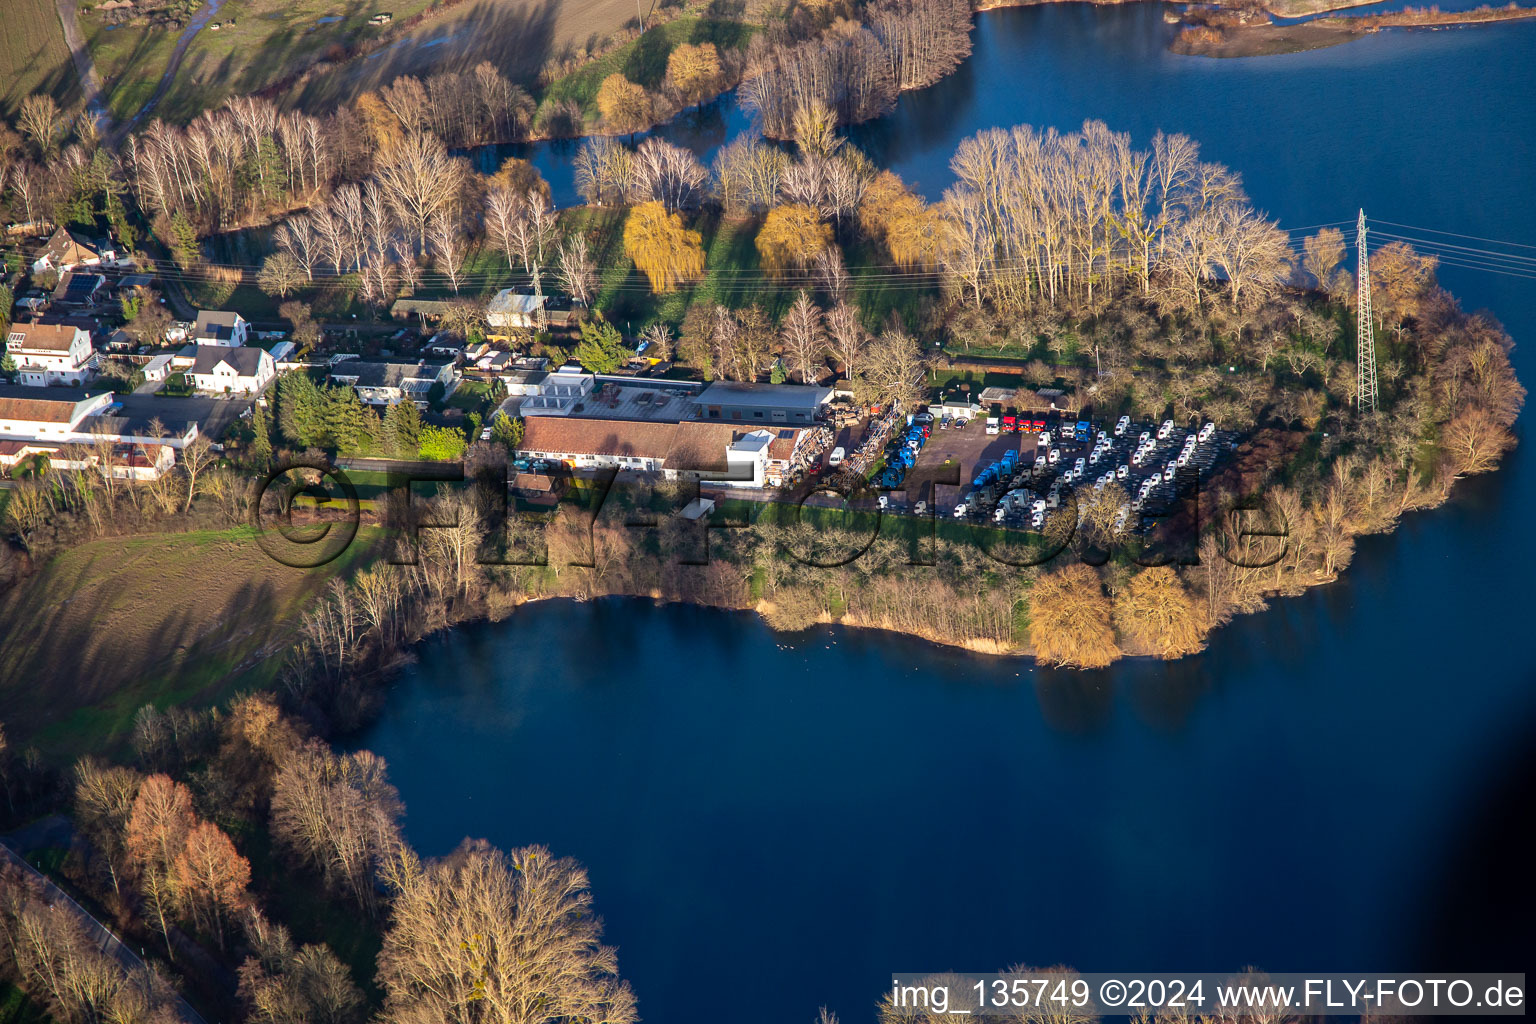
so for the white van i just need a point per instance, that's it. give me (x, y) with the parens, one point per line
(836, 458)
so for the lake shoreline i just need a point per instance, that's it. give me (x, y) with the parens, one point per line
(1273, 40)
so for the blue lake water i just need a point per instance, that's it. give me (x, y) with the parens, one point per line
(1340, 783)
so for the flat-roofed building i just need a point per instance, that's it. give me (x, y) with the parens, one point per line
(744, 402)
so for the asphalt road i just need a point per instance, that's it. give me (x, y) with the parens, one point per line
(100, 934)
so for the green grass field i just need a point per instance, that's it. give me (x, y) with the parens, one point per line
(33, 56)
(733, 274)
(16, 1008)
(111, 625)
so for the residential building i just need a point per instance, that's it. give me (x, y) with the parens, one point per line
(220, 327)
(572, 392)
(46, 354)
(594, 443)
(244, 370)
(133, 460)
(383, 383)
(426, 310)
(77, 288)
(560, 393)
(511, 310)
(739, 401)
(67, 250)
(539, 488)
(158, 368)
(52, 415)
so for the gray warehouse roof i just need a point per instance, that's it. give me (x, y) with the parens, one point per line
(787, 396)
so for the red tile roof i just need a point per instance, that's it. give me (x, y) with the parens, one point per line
(42, 337)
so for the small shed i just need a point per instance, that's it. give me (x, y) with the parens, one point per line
(697, 509)
(158, 368)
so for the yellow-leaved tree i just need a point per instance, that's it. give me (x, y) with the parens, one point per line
(791, 237)
(665, 251)
(1156, 611)
(694, 72)
(625, 106)
(1069, 619)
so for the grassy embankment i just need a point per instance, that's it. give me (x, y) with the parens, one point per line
(1269, 40)
(33, 56)
(113, 624)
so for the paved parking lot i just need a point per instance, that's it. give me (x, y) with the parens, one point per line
(972, 449)
(213, 415)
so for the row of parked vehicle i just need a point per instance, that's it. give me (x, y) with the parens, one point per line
(901, 453)
(1023, 490)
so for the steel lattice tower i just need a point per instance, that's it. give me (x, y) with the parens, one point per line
(1365, 341)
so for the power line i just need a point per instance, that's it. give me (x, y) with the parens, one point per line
(1453, 234)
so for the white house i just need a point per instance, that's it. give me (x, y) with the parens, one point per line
(510, 309)
(220, 327)
(67, 250)
(52, 415)
(50, 353)
(391, 383)
(133, 460)
(158, 368)
(241, 370)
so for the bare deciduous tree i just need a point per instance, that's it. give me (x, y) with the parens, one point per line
(484, 936)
